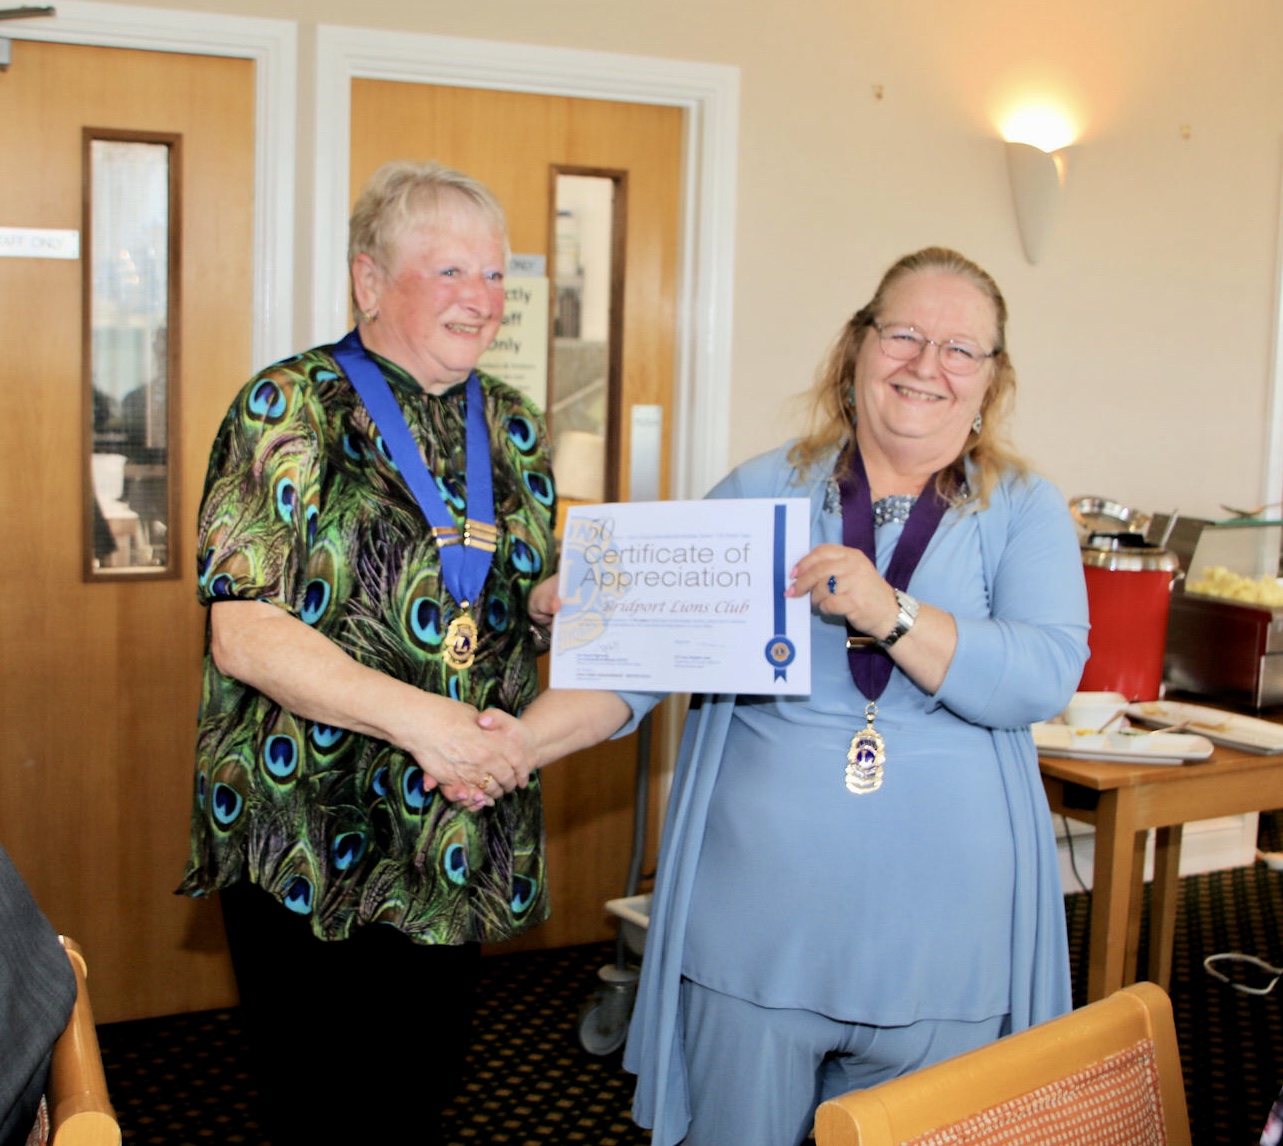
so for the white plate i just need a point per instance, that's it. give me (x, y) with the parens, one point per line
(1124, 747)
(1219, 726)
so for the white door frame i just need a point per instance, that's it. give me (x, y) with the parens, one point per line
(707, 93)
(1272, 482)
(273, 46)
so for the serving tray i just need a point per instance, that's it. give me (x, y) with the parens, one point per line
(1220, 727)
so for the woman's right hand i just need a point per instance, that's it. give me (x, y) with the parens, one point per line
(309, 675)
(469, 762)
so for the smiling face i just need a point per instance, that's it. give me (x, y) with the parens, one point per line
(440, 303)
(915, 413)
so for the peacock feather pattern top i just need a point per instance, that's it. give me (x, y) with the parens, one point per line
(304, 508)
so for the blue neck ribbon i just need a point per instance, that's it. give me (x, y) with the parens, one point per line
(466, 554)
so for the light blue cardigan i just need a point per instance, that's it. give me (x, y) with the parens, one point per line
(1030, 553)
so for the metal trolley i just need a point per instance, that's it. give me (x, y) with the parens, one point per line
(603, 1020)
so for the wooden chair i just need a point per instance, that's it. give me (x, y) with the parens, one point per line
(80, 1112)
(1108, 1074)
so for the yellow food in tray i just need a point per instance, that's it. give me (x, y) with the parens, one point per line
(1217, 581)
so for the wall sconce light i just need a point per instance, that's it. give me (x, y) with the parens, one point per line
(1036, 164)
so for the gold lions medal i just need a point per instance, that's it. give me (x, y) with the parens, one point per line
(461, 641)
(865, 757)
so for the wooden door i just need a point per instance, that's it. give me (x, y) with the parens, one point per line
(99, 682)
(511, 141)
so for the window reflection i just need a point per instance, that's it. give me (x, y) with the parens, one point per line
(587, 323)
(130, 220)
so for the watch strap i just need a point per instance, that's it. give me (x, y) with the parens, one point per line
(904, 621)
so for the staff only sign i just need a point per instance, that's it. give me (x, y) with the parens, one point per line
(38, 243)
(519, 353)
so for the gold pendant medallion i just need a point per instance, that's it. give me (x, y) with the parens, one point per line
(460, 647)
(865, 757)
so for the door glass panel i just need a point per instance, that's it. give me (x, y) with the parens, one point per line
(131, 353)
(585, 384)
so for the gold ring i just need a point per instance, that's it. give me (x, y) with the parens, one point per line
(485, 783)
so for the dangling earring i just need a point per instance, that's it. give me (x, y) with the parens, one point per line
(977, 424)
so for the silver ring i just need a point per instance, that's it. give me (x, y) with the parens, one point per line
(833, 585)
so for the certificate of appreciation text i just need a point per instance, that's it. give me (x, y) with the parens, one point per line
(684, 596)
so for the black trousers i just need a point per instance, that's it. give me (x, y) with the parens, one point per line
(360, 1040)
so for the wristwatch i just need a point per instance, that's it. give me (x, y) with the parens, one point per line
(904, 622)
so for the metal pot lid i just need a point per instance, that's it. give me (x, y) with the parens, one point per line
(1103, 515)
(1127, 553)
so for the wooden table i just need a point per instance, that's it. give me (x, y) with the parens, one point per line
(1123, 801)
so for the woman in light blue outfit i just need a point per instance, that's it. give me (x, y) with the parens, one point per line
(861, 882)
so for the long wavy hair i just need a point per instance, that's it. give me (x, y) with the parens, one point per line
(832, 397)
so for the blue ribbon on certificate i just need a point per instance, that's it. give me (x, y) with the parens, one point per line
(779, 649)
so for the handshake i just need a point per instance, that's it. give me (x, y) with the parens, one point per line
(476, 770)
(476, 758)
(492, 755)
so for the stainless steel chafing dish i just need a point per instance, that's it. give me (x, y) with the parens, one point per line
(1219, 646)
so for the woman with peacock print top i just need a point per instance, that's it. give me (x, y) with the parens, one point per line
(375, 515)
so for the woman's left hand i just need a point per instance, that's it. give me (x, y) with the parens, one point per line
(543, 603)
(843, 582)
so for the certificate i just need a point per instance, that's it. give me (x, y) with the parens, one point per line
(684, 596)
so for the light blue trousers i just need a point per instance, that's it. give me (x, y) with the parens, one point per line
(758, 1073)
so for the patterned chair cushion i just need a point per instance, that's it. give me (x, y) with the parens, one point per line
(1115, 1102)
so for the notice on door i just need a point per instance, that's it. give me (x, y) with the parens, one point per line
(519, 353)
(38, 243)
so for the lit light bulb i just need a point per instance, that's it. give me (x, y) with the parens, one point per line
(1039, 125)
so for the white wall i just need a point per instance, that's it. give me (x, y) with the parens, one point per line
(1206, 845)
(1144, 338)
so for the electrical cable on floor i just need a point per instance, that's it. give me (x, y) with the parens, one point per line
(1209, 965)
(1274, 861)
(1073, 859)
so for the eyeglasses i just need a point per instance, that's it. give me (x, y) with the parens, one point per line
(904, 344)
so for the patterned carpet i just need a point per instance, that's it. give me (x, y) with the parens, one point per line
(178, 1080)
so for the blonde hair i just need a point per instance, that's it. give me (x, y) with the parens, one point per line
(832, 398)
(404, 191)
